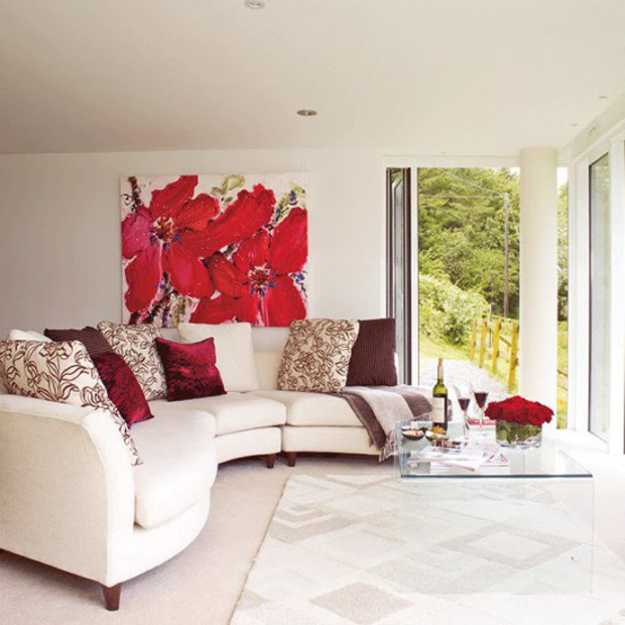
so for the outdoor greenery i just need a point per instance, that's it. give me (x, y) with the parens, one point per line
(461, 231)
(563, 253)
(446, 311)
(462, 259)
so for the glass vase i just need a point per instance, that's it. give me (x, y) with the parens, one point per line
(511, 434)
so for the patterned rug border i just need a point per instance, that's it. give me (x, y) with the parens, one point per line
(260, 546)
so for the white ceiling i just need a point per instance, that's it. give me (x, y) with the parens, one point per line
(416, 76)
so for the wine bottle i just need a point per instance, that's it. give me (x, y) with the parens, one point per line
(439, 398)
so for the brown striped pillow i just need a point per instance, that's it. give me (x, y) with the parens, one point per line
(373, 355)
(90, 337)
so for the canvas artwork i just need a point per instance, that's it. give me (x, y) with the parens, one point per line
(213, 249)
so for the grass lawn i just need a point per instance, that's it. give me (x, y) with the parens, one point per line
(428, 348)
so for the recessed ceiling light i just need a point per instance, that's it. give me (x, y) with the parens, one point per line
(603, 97)
(574, 125)
(255, 4)
(306, 112)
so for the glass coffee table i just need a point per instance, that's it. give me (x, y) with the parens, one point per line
(420, 459)
(510, 520)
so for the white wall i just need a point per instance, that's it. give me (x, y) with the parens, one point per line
(60, 239)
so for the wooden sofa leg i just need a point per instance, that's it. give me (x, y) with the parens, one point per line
(270, 460)
(291, 457)
(111, 596)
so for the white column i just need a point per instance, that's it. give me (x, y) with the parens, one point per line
(539, 275)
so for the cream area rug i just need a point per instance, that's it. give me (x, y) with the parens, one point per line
(371, 550)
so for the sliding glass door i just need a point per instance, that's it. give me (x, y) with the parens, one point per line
(399, 265)
(600, 300)
(468, 251)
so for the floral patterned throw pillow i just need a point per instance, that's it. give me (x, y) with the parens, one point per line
(317, 354)
(136, 345)
(59, 372)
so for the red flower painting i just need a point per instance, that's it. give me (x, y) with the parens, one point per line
(225, 253)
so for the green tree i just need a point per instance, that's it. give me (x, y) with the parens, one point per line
(461, 230)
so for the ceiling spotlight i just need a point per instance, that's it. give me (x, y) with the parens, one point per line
(255, 4)
(306, 112)
(603, 97)
(574, 125)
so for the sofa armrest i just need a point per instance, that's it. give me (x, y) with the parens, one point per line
(66, 485)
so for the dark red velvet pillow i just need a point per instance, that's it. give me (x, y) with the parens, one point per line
(373, 356)
(190, 369)
(122, 387)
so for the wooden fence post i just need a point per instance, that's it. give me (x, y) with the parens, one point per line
(472, 340)
(483, 335)
(495, 356)
(514, 356)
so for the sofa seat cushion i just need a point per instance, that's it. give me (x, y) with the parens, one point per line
(179, 464)
(303, 408)
(234, 412)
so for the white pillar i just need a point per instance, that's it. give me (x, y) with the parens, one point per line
(538, 354)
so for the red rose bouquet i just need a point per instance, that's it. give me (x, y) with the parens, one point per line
(519, 421)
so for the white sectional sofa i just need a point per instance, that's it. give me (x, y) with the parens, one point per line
(70, 499)
(267, 421)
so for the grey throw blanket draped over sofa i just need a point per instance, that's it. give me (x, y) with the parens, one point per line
(380, 408)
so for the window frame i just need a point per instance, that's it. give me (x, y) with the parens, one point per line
(613, 143)
(405, 213)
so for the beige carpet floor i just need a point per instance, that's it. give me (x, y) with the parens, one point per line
(198, 587)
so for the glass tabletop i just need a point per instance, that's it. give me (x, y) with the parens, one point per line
(482, 457)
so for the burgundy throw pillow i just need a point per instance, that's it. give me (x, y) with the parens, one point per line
(90, 337)
(122, 387)
(190, 369)
(373, 356)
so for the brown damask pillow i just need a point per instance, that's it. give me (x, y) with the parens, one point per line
(373, 356)
(316, 356)
(136, 345)
(59, 372)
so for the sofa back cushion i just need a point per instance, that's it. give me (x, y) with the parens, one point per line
(135, 344)
(59, 372)
(373, 356)
(268, 367)
(235, 352)
(269, 339)
(316, 356)
(27, 335)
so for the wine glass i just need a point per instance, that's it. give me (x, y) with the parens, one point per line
(464, 403)
(480, 400)
(463, 397)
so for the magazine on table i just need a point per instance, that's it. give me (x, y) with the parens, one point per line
(470, 457)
